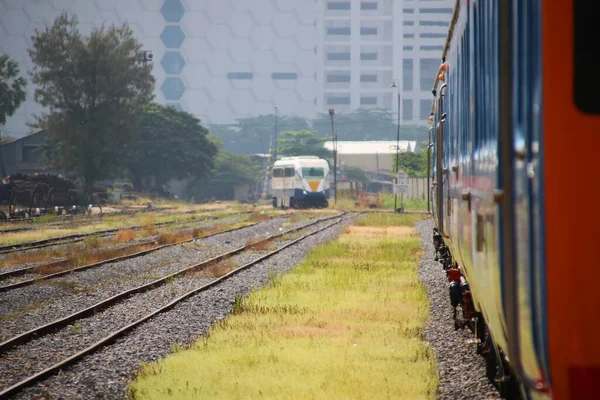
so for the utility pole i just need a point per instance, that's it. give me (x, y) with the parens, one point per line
(334, 142)
(276, 131)
(397, 146)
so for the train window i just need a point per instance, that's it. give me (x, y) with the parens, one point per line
(313, 172)
(289, 172)
(587, 89)
(277, 172)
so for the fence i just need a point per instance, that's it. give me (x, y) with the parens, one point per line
(417, 188)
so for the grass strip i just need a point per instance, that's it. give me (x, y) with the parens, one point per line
(347, 323)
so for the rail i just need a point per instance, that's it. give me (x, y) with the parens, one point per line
(17, 387)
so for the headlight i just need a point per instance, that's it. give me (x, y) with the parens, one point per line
(304, 192)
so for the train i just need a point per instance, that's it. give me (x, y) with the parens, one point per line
(300, 182)
(513, 148)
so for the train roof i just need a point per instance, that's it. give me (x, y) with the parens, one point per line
(309, 161)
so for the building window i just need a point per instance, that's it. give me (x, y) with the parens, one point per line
(429, 48)
(407, 48)
(407, 74)
(368, 31)
(408, 23)
(435, 10)
(407, 109)
(408, 35)
(432, 35)
(338, 100)
(240, 75)
(368, 101)
(434, 23)
(425, 108)
(429, 68)
(338, 78)
(368, 5)
(408, 10)
(368, 56)
(284, 75)
(338, 5)
(368, 78)
(338, 56)
(338, 31)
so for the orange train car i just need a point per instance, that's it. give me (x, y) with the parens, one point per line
(516, 130)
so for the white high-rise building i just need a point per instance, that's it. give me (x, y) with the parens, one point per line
(225, 59)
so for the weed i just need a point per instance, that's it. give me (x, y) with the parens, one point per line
(260, 245)
(77, 328)
(257, 217)
(216, 269)
(124, 235)
(92, 242)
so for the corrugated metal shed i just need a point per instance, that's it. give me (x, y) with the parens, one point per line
(371, 147)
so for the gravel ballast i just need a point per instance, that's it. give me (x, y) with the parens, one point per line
(56, 298)
(105, 374)
(461, 370)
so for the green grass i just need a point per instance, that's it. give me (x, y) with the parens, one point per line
(384, 220)
(347, 323)
(408, 204)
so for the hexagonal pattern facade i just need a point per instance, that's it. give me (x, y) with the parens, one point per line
(218, 59)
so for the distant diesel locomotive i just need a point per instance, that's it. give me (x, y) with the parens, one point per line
(300, 182)
(515, 157)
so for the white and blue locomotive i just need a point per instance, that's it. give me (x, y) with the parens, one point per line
(300, 182)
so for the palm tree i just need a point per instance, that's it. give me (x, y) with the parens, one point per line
(12, 93)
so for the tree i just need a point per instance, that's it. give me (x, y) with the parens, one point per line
(367, 124)
(302, 143)
(171, 144)
(230, 170)
(94, 88)
(414, 164)
(253, 135)
(12, 93)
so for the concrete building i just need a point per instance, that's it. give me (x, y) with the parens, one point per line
(224, 59)
(376, 156)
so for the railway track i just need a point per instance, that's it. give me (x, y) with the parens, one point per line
(38, 277)
(77, 220)
(17, 343)
(78, 237)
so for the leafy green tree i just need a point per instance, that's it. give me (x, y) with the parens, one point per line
(253, 135)
(12, 93)
(171, 144)
(367, 124)
(230, 170)
(414, 164)
(302, 143)
(94, 87)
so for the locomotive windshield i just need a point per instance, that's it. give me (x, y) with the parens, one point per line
(313, 172)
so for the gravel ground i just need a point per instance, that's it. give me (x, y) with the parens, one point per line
(104, 375)
(461, 370)
(38, 304)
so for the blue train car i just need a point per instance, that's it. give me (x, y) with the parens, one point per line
(514, 83)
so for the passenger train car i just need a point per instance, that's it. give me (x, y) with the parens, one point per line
(516, 132)
(300, 182)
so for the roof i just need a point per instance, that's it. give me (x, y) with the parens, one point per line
(372, 147)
